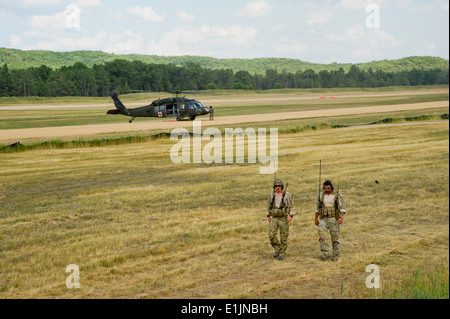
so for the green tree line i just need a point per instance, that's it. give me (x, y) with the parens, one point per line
(19, 59)
(124, 76)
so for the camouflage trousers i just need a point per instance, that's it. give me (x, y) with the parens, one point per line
(330, 224)
(281, 224)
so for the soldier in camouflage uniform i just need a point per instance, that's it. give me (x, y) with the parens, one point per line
(279, 214)
(329, 213)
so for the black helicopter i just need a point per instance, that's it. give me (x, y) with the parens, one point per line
(178, 107)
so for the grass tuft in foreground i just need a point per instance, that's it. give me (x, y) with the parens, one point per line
(424, 284)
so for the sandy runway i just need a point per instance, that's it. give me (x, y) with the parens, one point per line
(231, 100)
(14, 135)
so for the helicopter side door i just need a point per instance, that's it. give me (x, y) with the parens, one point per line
(182, 109)
(160, 111)
(172, 109)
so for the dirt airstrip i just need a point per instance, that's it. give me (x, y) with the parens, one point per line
(15, 135)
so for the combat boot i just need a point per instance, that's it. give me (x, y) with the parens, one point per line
(277, 253)
(335, 258)
(324, 257)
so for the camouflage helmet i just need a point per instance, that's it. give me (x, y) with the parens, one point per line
(278, 182)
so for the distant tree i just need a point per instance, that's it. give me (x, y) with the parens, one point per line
(270, 78)
(225, 78)
(277, 86)
(244, 77)
(416, 77)
(211, 86)
(101, 80)
(325, 79)
(123, 76)
(241, 86)
(61, 83)
(22, 82)
(5, 81)
(353, 76)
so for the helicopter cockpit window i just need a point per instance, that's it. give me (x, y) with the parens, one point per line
(198, 105)
(191, 106)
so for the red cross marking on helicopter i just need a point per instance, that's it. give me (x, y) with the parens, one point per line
(160, 114)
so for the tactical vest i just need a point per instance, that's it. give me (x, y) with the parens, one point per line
(282, 211)
(327, 211)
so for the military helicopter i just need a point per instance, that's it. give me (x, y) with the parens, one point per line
(177, 107)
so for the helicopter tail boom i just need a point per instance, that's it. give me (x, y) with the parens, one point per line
(121, 109)
(113, 112)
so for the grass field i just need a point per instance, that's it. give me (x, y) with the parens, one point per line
(144, 97)
(225, 104)
(139, 226)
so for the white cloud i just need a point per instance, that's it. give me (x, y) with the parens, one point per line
(185, 16)
(289, 46)
(133, 42)
(7, 15)
(382, 38)
(357, 4)
(52, 22)
(366, 44)
(430, 7)
(89, 3)
(127, 42)
(73, 43)
(202, 40)
(277, 27)
(363, 54)
(371, 37)
(256, 9)
(41, 3)
(429, 48)
(15, 41)
(334, 37)
(318, 17)
(356, 33)
(147, 13)
(292, 48)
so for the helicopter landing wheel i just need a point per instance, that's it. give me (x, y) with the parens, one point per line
(192, 118)
(131, 121)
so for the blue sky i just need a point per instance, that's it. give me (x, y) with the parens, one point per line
(321, 31)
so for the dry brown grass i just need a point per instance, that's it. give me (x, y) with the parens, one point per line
(139, 226)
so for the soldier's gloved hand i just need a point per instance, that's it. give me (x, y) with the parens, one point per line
(339, 221)
(269, 219)
(316, 222)
(289, 218)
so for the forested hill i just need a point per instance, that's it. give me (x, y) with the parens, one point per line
(18, 59)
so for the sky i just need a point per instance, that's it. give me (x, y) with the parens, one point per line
(321, 31)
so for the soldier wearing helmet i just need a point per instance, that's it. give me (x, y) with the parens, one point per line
(329, 213)
(279, 214)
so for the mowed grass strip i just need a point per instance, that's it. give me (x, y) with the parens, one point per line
(226, 104)
(139, 226)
